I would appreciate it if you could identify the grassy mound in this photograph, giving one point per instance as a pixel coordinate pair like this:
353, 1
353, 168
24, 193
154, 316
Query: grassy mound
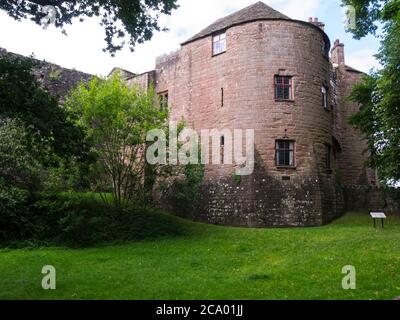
81, 220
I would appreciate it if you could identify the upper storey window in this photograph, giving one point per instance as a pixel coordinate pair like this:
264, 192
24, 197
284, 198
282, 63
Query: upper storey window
283, 88
219, 43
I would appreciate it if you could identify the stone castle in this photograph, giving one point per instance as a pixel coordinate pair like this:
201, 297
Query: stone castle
258, 69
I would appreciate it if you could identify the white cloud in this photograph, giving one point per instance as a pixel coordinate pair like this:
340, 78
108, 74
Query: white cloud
363, 60
82, 49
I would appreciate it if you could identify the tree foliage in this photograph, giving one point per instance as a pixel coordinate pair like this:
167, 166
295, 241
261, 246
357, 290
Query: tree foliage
134, 19
19, 166
379, 94
23, 98
184, 193
19, 177
368, 15
117, 119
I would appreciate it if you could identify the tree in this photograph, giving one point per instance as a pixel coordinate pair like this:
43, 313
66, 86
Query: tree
117, 119
19, 166
22, 98
135, 18
379, 94
19, 177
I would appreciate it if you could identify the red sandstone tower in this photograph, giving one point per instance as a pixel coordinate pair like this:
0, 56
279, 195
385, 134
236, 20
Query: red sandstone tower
258, 69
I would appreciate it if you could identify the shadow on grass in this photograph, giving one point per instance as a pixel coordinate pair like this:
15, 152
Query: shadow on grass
84, 221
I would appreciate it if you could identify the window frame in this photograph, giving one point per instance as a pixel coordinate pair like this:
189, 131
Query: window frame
213, 42
283, 86
222, 149
325, 97
291, 149
163, 99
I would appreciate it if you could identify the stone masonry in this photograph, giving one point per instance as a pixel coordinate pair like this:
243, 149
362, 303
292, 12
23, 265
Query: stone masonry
260, 44
235, 89
55, 79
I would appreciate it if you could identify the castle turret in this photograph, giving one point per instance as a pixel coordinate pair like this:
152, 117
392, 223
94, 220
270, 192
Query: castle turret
261, 70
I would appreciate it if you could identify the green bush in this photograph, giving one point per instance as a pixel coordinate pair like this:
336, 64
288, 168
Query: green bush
19, 166
80, 220
14, 213
70, 176
184, 195
77, 220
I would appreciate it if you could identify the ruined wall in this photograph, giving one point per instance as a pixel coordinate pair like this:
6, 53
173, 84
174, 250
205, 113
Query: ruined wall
144, 81
360, 183
57, 80
256, 51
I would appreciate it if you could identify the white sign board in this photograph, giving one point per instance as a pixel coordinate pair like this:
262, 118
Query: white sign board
378, 215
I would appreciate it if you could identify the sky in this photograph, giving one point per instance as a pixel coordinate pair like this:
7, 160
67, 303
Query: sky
82, 48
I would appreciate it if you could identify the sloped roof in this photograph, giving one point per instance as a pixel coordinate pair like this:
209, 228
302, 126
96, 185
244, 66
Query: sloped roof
351, 69
257, 11
125, 73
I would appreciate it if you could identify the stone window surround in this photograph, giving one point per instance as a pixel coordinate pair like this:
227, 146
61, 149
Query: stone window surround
283, 73
325, 97
294, 166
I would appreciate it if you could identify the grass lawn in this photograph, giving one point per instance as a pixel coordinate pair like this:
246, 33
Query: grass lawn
219, 263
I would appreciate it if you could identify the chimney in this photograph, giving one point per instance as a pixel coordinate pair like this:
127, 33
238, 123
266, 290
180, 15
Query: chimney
337, 53
316, 22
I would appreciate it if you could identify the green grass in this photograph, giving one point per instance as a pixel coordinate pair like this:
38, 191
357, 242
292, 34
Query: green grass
212, 262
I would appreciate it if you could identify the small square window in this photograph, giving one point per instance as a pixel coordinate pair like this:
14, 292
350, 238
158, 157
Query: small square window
283, 88
284, 153
219, 43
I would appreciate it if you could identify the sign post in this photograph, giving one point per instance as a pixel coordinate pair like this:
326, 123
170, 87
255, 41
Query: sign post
378, 216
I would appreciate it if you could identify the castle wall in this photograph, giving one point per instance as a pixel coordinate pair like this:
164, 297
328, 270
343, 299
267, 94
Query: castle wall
144, 81
57, 80
352, 159
304, 195
360, 183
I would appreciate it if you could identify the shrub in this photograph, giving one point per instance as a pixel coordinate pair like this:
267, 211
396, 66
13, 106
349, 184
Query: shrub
14, 213
80, 220
117, 119
18, 156
19, 176
184, 195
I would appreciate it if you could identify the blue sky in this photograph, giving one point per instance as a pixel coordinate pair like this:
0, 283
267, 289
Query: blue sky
82, 48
